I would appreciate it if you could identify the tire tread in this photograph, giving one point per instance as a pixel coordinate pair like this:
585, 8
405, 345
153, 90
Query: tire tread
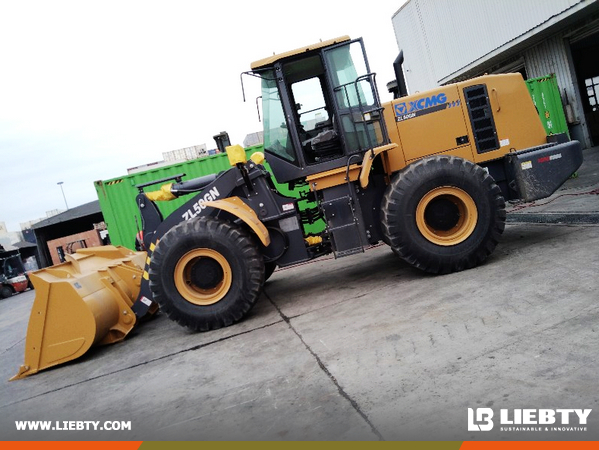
404, 185
203, 318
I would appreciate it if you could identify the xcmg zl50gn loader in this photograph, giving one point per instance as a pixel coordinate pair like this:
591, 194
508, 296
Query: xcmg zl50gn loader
428, 174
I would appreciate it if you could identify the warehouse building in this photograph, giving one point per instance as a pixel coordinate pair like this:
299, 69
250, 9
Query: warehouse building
444, 42
64, 233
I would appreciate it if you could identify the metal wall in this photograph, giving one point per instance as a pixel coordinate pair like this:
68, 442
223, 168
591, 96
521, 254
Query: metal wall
441, 40
552, 56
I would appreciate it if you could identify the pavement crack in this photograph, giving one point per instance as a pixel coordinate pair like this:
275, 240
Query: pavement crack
150, 361
12, 346
327, 372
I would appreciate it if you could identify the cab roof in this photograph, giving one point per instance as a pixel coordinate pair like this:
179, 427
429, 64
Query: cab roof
274, 58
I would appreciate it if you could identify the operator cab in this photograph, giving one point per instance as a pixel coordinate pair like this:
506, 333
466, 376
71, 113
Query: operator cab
320, 107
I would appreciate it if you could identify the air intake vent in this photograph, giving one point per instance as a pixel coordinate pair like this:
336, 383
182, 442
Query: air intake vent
481, 117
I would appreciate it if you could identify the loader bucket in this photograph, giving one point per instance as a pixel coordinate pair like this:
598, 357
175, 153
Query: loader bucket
83, 302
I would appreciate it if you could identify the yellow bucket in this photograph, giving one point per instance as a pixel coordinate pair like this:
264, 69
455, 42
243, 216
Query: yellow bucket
83, 302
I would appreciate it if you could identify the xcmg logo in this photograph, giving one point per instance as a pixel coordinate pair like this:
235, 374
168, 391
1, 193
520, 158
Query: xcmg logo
423, 103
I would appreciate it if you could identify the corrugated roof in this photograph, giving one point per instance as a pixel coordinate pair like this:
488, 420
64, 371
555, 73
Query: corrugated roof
84, 210
24, 244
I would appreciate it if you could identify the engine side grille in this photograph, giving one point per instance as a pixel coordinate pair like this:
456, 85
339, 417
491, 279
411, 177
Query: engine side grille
481, 118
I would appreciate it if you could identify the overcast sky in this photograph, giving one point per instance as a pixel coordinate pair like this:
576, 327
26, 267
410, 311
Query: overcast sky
89, 89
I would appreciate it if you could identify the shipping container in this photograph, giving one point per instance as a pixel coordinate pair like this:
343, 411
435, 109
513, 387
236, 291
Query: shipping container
546, 96
117, 195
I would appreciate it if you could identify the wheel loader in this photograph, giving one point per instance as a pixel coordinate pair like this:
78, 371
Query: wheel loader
428, 174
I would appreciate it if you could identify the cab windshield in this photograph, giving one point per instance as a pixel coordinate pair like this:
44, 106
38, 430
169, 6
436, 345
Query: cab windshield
276, 133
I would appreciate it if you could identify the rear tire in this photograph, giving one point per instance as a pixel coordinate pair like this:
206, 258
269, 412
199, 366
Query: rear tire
5, 292
443, 214
206, 273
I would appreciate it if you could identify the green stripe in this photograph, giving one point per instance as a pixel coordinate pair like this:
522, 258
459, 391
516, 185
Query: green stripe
295, 445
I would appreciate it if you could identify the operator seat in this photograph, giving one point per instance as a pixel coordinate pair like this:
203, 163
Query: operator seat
326, 143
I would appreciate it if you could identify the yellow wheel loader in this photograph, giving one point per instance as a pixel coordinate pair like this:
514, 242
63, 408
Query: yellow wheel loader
428, 174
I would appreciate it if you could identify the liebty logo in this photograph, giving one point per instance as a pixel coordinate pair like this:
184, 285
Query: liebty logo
481, 419
484, 415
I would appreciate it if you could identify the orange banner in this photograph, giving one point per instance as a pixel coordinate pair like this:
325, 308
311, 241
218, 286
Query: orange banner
530, 445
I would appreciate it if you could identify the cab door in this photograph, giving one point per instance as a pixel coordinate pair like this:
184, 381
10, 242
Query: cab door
357, 103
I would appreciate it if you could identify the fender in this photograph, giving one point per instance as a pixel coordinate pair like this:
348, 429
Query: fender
235, 206
367, 162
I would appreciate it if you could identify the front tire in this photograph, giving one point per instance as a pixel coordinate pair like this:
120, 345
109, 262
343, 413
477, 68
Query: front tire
206, 273
443, 214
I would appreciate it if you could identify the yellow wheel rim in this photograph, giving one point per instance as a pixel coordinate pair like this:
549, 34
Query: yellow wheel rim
446, 215
203, 276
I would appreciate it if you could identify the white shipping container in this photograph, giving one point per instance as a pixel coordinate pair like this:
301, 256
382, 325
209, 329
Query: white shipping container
185, 154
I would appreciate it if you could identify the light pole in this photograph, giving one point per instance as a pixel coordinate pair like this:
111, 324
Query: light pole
60, 183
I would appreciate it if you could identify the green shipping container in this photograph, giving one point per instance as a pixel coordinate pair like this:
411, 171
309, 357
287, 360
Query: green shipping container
117, 195
546, 97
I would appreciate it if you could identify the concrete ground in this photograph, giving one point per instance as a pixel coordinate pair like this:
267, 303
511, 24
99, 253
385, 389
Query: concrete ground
360, 348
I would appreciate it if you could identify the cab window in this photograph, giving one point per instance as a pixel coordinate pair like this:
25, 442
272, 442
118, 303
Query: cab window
276, 132
310, 103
